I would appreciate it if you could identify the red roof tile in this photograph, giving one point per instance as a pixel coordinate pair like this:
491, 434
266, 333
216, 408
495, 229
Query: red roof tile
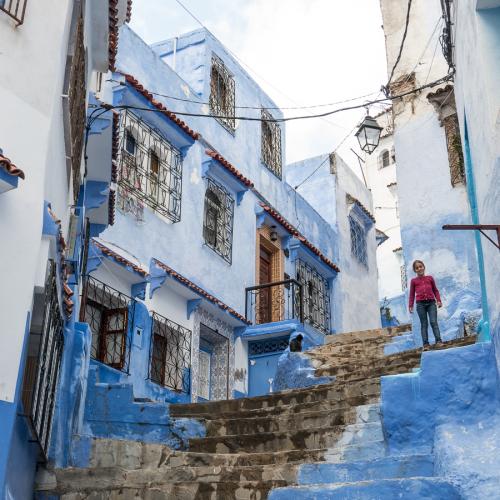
158, 105
438, 92
113, 33
200, 291
291, 229
10, 167
129, 11
229, 167
351, 199
118, 258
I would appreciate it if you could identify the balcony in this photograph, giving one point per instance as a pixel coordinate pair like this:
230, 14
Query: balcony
14, 9
273, 302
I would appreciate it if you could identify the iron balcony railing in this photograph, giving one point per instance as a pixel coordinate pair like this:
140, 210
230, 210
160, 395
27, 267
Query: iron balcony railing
15, 9
277, 301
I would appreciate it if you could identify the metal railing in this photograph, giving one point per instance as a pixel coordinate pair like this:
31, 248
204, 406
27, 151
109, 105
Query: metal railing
170, 354
42, 369
278, 301
15, 9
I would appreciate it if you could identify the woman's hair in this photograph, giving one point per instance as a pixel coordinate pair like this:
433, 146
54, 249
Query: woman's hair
415, 262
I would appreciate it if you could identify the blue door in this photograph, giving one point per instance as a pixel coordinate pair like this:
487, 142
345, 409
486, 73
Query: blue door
263, 356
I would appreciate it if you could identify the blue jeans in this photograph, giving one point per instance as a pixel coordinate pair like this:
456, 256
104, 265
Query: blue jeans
424, 308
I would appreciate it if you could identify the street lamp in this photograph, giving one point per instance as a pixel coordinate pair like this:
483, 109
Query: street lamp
368, 134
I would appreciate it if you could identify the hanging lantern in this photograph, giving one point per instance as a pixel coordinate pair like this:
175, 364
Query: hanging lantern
368, 134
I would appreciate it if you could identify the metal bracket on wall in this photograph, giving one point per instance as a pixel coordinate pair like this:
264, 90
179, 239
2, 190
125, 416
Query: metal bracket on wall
478, 227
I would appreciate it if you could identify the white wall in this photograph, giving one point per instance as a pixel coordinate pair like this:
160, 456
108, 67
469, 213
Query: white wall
32, 63
385, 209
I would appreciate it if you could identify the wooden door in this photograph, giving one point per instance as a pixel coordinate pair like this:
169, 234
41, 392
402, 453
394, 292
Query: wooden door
265, 294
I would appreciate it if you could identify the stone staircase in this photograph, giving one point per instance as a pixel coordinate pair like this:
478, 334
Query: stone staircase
319, 442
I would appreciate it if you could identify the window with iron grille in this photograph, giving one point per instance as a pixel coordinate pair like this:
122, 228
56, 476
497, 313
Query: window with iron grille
108, 313
77, 110
218, 220
271, 144
170, 356
358, 241
385, 158
150, 169
316, 296
222, 94
41, 372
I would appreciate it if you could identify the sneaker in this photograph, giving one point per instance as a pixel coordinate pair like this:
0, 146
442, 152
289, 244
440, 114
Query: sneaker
425, 346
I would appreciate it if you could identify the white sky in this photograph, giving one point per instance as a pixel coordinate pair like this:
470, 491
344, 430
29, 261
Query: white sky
301, 52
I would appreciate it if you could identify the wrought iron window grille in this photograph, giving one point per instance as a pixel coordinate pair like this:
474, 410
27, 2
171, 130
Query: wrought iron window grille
218, 220
150, 169
271, 144
170, 354
277, 301
267, 346
358, 241
14, 9
316, 296
385, 158
222, 90
108, 313
42, 370
77, 110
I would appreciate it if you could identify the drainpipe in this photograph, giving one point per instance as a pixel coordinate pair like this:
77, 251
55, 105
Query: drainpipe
484, 324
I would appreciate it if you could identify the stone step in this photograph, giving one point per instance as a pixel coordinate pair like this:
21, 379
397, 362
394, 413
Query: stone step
343, 415
391, 331
366, 450
281, 422
243, 490
238, 407
352, 396
361, 372
381, 468
269, 441
392, 360
405, 488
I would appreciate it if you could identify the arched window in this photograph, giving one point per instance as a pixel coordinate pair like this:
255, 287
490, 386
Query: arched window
384, 158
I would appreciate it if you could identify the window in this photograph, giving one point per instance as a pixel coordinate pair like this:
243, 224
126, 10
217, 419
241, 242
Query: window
218, 220
170, 353
384, 158
15, 9
315, 296
222, 94
150, 169
358, 241
271, 144
107, 311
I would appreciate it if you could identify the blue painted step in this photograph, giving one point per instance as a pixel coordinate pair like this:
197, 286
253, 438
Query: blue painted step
382, 489
382, 468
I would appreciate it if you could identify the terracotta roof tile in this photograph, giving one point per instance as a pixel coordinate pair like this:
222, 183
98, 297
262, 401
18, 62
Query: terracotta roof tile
398, 249
113, 33
200, 291
129, 11
158, 105
438, 92
231, 168
9, 167
118, 258
111, 207
293, 231
351, 199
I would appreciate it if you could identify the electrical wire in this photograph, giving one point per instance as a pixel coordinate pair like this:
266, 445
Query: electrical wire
398, 58
291, 118
324, 105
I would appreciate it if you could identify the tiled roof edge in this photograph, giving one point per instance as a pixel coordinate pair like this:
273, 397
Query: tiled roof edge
121, 260
230, 167
10, 167
293, 231
361, 206
200, 291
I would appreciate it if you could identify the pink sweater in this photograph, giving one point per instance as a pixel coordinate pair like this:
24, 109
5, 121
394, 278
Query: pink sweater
424, 288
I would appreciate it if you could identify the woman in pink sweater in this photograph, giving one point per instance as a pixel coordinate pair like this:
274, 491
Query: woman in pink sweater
426, 292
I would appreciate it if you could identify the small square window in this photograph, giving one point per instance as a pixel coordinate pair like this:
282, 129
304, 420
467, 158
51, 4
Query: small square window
130, 143
154, 163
